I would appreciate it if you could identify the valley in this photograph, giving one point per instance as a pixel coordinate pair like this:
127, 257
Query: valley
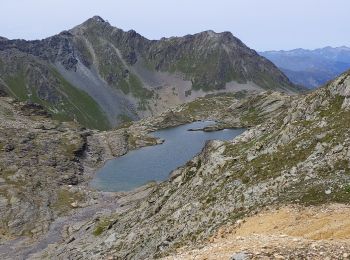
226, 182
115, 146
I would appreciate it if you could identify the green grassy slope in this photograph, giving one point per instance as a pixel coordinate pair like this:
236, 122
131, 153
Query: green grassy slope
71, 103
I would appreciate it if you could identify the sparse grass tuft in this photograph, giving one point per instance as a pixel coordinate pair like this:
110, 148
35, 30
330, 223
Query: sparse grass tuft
64, 200
102, 225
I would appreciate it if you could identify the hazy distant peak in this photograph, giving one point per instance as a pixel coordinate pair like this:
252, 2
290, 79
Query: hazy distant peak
302, 50
346, 48
311, 68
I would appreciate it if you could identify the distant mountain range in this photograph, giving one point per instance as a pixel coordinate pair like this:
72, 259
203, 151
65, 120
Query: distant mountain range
311, 68
101, 76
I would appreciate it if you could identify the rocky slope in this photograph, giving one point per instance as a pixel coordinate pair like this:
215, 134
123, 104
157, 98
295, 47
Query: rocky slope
37, 156
299, 155
311, 68
295, 152
291, 232
102, 76
46, 164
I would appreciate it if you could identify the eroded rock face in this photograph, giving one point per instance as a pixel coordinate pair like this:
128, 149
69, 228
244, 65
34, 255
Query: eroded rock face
298, 156
37, 158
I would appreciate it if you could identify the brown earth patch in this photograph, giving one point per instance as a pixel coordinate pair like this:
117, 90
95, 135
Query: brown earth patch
291, 232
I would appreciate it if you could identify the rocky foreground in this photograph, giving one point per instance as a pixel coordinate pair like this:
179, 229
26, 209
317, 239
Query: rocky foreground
45, 166
290, 232
294, 157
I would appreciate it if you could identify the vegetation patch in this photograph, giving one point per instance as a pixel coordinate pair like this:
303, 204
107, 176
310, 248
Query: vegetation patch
71, 103
103, 225
17, 84
124, 119
80, 106
65, 201
317, 194
251, 117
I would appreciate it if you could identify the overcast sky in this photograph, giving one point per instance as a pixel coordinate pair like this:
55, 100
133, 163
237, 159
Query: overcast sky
261, 24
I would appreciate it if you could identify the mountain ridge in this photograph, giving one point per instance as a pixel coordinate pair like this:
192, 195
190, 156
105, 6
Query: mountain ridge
311, 68
125, 76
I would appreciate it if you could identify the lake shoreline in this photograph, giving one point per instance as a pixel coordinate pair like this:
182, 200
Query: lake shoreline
155, 163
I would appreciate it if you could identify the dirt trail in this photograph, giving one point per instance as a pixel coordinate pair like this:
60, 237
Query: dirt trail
288, 233
23, 248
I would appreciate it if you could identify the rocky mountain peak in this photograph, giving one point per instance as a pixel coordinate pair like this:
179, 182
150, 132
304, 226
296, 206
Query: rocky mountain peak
226, 38
98, 19
224, 34
95, 21
210, 33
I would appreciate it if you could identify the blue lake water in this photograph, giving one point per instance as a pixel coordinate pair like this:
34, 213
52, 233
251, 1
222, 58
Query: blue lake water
155, 163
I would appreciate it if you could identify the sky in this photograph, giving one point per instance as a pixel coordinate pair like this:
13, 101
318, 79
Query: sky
260, 24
